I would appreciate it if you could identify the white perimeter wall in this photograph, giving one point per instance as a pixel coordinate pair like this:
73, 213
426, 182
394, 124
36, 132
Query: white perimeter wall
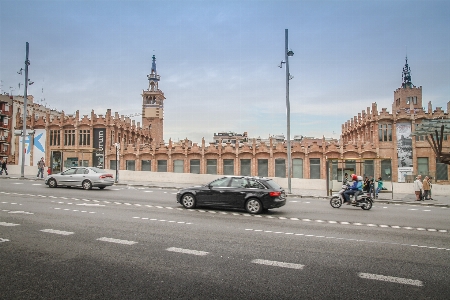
183, 179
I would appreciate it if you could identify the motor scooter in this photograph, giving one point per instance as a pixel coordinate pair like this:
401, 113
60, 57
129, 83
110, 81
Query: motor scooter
363, 200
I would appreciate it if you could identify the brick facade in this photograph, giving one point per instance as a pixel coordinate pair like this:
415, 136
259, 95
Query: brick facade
370, 135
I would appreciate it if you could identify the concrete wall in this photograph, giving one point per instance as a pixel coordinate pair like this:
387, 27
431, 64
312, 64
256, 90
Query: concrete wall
184, 179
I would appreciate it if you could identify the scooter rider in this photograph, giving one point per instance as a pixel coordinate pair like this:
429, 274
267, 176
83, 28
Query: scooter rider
357, 186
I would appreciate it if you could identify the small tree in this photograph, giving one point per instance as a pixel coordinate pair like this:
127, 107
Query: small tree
434, 132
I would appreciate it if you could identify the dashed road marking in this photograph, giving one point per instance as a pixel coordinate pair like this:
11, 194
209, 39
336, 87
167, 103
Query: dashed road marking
117, 241
8, 224
57, 231
390, 279
2, 240
324, 221
278, 264
74, 210
160, 220
20, 212
187, 251
339, 238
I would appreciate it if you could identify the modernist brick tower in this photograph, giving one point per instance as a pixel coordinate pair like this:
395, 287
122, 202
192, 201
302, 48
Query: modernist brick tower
408, 97
153, 106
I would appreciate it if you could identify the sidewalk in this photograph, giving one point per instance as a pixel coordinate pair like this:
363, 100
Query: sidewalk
388, 198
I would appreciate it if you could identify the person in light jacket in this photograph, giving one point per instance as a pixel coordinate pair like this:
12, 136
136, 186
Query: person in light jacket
426, 188
418, 187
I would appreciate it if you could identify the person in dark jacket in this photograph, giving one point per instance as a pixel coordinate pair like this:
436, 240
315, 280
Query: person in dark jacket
3, 166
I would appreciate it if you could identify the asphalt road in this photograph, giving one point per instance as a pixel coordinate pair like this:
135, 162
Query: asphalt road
138, 243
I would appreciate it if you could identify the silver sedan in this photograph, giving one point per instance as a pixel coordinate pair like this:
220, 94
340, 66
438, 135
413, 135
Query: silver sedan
86, 177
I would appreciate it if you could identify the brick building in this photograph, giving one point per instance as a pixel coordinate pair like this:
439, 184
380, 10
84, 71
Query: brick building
384, 134
5, 126
366, 139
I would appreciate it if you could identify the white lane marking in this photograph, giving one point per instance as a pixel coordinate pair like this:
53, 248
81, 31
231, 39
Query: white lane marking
169, 221
2, 240
8, 224
278, 264
57, 231
391, 279
88, 204
20, 212
345, 239
37, 184
17, 183
148, 191
187, 251
117, 241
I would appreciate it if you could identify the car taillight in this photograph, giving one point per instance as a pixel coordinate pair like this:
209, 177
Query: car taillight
106, 176
274, 194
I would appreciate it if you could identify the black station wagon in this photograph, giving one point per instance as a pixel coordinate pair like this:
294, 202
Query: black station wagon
254, 194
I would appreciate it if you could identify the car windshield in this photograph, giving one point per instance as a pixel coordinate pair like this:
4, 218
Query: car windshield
273, 185
97, 170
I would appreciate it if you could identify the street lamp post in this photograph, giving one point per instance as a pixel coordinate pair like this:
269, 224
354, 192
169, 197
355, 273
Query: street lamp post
288, 53
117, 161
24, 128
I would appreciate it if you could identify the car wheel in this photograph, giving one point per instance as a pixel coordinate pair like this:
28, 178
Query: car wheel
101, 187
253, 206
188, 201
52, 183
87, 185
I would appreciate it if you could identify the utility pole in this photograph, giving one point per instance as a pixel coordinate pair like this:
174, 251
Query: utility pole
24, 128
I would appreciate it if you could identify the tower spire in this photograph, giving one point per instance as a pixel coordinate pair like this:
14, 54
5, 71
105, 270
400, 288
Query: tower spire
153, 77
406, 75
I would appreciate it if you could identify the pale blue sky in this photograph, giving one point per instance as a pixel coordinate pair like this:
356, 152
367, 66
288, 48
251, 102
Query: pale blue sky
218, 59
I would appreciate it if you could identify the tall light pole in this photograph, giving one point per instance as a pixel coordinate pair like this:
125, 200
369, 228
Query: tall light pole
117, 161
25, 96
288, 53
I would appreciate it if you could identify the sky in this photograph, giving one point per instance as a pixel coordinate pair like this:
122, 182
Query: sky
218, 59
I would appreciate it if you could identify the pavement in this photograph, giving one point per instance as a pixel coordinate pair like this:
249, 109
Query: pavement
388, 198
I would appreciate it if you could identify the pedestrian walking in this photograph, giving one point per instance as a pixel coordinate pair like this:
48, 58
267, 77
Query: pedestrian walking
41, 166
429, 181
426, 188
418, 187
3, 166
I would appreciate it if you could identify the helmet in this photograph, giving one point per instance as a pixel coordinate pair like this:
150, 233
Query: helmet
354, 177
360, 178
